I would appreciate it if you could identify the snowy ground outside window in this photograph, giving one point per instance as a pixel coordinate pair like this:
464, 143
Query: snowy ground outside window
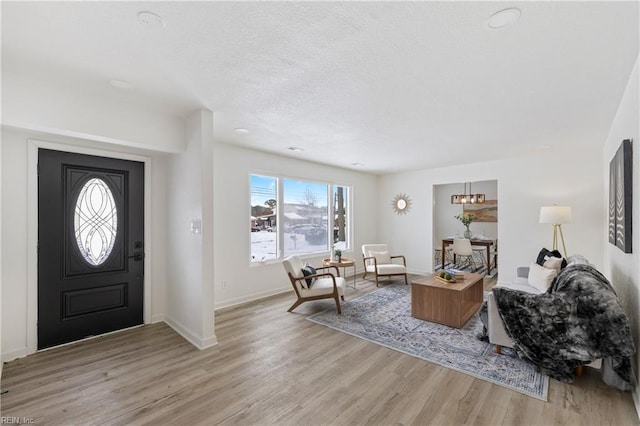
264, 245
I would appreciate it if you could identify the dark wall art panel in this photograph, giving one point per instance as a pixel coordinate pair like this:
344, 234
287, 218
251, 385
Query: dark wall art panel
620, 196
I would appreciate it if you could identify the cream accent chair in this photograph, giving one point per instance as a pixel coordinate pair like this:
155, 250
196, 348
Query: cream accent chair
377, 261
326, 285
462, 249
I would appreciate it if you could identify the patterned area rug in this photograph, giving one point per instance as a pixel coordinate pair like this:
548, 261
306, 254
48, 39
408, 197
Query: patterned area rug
384, 317
478, 269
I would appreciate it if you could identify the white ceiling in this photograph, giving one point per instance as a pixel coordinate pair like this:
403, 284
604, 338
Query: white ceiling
393, 85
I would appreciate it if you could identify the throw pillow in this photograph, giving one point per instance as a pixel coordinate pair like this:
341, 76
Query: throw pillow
306, 271
553, 263
546, 254
541, 277
382, 257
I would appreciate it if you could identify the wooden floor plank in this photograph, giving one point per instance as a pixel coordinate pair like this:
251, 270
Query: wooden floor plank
274, 367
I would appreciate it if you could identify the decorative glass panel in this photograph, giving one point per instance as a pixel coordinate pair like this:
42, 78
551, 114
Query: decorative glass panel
95, 221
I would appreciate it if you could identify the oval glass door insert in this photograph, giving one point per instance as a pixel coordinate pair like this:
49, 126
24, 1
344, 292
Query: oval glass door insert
95, 221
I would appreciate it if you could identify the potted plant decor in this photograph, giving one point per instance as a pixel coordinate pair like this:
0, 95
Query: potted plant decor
466, 219
338, 253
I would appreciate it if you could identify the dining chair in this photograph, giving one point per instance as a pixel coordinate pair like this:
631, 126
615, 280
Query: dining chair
494, 254
437, 256
462, 249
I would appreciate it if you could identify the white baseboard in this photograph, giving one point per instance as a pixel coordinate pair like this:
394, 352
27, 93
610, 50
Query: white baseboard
417, 272
15, 354
189, 336
503, 282
209, 342
252, 297
636, 401
157, 318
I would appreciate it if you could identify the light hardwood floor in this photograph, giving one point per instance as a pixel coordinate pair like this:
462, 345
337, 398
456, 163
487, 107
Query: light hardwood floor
274, 367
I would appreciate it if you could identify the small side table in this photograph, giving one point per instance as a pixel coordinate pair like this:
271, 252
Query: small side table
344, 264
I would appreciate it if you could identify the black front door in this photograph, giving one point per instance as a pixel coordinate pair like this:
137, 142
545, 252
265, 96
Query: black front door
90, 246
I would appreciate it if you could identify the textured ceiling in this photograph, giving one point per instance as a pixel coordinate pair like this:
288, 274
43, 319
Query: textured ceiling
392, 85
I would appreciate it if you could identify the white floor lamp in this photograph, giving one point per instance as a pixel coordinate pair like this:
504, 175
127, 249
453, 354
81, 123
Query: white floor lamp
556, 215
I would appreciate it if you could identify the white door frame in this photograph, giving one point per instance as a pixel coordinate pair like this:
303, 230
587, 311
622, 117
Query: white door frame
32, 228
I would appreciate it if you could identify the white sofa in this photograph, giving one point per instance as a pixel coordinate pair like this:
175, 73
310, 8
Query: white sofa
495, 328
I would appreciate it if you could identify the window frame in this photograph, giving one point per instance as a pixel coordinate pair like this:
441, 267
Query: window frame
280, 250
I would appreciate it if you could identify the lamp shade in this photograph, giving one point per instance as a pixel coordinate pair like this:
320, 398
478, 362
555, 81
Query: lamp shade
555, 214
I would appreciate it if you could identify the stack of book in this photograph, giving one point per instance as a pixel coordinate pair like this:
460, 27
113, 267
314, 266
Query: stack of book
455, 273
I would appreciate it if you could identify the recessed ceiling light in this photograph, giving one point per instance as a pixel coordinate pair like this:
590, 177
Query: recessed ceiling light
122, 84
295, 149
357, 164
503, 18
241, 130
151, 20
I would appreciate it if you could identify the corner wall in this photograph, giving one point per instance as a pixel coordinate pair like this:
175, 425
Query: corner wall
232, 209
39, 106
554, 176
624, 269
190, 296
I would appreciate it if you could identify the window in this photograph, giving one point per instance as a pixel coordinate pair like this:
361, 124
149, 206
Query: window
264, 235
290, 216
305, 217
341, 223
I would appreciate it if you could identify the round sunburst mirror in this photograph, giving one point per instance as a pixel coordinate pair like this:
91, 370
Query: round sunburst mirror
401, 203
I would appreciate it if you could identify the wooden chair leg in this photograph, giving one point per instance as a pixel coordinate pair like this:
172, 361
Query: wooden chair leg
338, 305
405, 280
376, 280
498, 349
295, 305
579, 371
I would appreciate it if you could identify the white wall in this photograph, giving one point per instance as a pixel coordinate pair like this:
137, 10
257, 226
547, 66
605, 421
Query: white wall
444, 222
14, 225
190, 255
14, 242
555, 176
232, 167
624, 269
1, 239
39, 106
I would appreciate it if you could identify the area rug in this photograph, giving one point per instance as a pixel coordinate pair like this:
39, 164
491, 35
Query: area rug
384, 317
478, 269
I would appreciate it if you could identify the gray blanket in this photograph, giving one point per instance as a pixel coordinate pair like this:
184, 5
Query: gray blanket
578, 320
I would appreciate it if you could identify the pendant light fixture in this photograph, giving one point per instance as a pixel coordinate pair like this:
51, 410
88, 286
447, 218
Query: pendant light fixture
467, 198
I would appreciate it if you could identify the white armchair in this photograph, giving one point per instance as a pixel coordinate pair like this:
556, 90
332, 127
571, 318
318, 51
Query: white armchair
326, 285
379, 262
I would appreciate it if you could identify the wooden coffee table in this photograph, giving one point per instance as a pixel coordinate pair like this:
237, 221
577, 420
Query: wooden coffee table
450, 304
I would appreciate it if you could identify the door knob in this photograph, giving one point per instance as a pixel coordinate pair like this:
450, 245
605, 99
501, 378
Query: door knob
137, 256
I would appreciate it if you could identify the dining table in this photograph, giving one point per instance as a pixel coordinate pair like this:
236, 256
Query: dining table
474, 242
